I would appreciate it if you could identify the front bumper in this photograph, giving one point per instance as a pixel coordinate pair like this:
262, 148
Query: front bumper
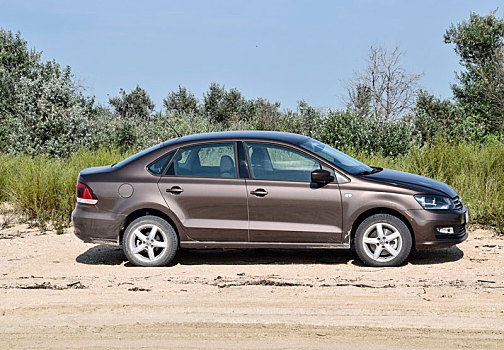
425, 224
96, 226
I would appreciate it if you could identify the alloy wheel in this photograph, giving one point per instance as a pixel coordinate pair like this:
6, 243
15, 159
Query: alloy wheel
148, 243
382, 242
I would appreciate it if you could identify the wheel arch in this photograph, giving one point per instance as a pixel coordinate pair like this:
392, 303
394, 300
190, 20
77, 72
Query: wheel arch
380, 210
144, 212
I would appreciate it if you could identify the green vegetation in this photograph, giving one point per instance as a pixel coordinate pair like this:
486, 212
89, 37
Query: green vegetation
474, 171
50, 130
43, 188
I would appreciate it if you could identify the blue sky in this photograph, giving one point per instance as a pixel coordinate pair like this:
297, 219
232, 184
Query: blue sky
280, 50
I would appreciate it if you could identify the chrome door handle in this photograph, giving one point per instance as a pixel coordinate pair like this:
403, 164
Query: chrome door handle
260, 192
175, 190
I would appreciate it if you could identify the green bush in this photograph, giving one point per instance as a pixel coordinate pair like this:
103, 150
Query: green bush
374, 135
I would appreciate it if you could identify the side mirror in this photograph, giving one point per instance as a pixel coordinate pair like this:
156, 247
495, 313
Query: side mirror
321, 176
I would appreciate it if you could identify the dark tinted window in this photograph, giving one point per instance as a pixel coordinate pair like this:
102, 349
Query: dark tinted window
157, 167
207, 160
272, 162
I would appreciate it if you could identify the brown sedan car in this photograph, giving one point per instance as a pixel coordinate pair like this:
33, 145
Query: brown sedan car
262, 189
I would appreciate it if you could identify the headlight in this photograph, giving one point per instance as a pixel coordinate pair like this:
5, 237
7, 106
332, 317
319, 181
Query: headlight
429, 201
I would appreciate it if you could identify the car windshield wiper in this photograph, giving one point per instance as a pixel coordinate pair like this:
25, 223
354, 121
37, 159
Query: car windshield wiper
368, 172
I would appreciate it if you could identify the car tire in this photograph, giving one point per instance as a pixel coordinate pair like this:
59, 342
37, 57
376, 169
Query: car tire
150, 241
383, 240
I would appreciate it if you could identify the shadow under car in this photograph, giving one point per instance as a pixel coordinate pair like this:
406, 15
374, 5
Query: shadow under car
114, 255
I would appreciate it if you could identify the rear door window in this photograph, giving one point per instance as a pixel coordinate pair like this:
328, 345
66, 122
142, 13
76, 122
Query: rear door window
206, 160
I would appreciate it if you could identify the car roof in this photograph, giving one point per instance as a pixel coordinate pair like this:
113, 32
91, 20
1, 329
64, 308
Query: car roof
241, 135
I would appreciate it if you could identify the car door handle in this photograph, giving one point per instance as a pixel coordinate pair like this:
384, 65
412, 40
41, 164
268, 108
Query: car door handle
175, 190
260, 192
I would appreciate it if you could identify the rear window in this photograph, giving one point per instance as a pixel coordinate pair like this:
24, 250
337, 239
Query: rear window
158, 166
137, 155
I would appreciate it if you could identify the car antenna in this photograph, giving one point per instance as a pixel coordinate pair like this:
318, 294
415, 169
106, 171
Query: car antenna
173, 128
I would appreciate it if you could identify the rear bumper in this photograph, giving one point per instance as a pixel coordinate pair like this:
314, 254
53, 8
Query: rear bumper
426, 222
95, 226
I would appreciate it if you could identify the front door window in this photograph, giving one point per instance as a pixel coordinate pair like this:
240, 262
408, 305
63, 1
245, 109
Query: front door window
274, 162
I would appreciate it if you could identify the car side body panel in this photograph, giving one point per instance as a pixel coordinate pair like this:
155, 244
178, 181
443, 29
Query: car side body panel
294, 212
209, 209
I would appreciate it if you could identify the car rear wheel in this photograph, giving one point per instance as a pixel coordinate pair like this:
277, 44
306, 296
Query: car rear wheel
150, 241
383, 240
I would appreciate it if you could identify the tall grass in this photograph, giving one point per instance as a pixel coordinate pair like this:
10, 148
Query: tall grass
476, 172
43, 189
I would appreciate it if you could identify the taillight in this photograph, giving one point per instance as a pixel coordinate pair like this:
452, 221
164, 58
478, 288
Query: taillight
85, 195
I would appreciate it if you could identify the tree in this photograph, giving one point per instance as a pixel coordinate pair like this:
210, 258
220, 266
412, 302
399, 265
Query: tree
42, 110
384, 88
432, 116
360, 99
135, 105
479, 42
234, 106
222, 106
52, 113
266, 115
181, 102
16, 61
212, 100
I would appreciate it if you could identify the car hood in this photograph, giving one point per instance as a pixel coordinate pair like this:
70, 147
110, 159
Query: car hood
413, 181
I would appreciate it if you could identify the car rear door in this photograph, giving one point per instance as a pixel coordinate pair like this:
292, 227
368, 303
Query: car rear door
284, 206
203, 189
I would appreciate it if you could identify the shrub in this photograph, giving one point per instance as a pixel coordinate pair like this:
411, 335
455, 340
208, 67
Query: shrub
373, 135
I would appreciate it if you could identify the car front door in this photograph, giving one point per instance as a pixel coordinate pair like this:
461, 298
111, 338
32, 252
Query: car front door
203, 189
284, 205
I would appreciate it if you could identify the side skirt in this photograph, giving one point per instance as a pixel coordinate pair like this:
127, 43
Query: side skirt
199, 244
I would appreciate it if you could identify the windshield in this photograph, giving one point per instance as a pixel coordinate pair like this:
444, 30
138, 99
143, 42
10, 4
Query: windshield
338, 158
136, 156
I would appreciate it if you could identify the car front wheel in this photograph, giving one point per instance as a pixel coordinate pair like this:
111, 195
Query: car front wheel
383, 240
150, 241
